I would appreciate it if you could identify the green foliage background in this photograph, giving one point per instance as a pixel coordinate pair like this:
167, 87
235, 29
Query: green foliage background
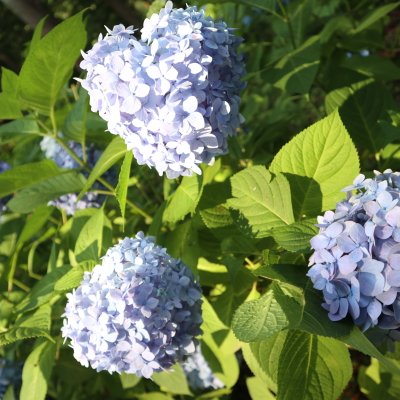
321, 104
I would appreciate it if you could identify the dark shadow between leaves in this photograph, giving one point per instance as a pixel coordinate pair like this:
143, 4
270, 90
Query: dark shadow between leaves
306, 196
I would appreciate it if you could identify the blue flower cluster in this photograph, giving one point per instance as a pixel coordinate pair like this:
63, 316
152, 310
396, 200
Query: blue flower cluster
10, 374
3, 167
198, 372
356, 262
173, 95
138, 312
69, 202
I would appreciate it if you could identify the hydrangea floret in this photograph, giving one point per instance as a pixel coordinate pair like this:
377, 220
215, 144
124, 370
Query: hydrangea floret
356, 262
173, 95
199, 373
54, 151
138, 312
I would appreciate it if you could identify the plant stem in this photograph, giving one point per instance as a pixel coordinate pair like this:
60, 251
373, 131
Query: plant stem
136, 209
21, 285
289, 23
53, 122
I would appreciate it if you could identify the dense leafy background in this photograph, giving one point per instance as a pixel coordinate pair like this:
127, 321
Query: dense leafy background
321, 104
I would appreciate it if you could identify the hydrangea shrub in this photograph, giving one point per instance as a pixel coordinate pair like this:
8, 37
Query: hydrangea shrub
254, 274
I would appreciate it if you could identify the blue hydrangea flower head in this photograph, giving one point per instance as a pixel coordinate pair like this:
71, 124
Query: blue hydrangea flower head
198, 372
173, 95
54, 151
138, 312
356, 259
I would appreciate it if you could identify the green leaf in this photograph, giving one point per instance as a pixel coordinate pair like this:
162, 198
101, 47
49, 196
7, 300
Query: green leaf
258, 389
263, 200
263, 358
9, 81
49, 65
37, 371
209, 172
9, 394
121, 191
20, 126
33, 224
375, 16
341, 24
128, 381
362, 111
172, 381
216, 217
295, 72
25, 175
34, 325
41, 193
284, 273
254, 365
154, 396
74, 126
267, 5
259, 319
374, 66
312, 367
9, 107
378, 383
314, 318
37, 35
360, 342
73, 277
238, 286
219, 352
113, 152
318, 162
182, 243
9, 104
337, 97
184, 200
315, 321
90, 240
295, 237
211, 321
43, 291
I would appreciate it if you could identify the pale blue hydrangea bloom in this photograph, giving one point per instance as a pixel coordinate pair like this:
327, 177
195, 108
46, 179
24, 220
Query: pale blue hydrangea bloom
356, 262
173, 95
199, 373
138, 312
54, 151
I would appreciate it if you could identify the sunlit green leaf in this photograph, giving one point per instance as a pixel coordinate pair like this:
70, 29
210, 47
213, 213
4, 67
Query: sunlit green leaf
318, 163
263, 199
49, 65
